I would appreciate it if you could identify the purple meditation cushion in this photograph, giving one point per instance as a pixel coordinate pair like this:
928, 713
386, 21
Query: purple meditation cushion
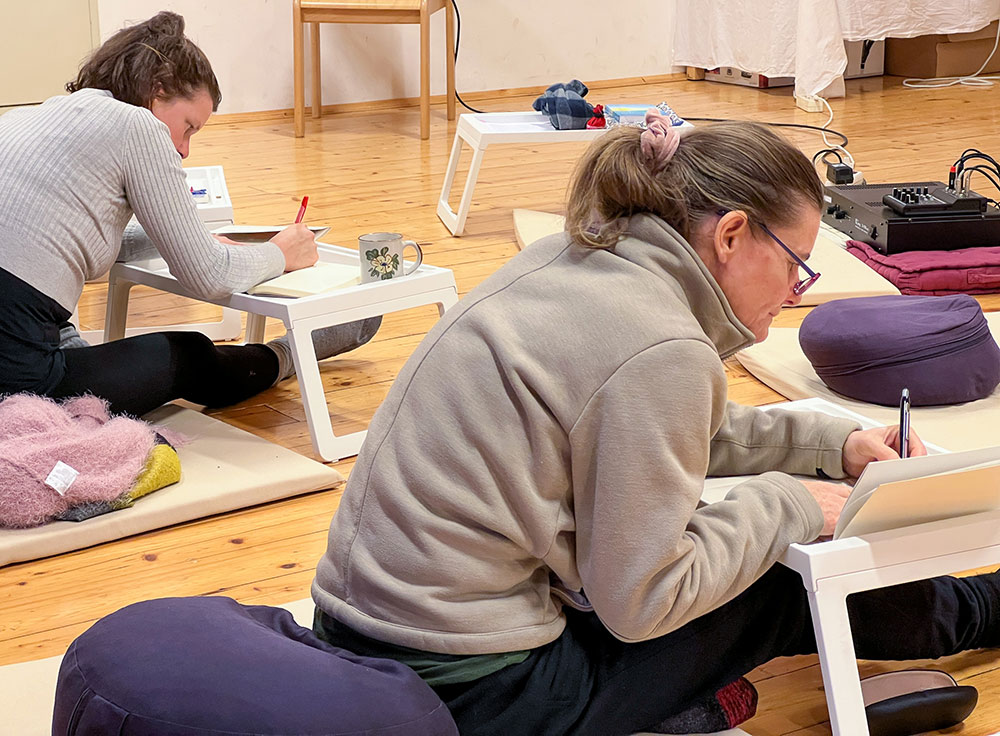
870, 348
212, 667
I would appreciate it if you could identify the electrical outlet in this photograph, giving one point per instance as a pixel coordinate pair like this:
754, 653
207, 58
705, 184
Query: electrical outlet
809, 103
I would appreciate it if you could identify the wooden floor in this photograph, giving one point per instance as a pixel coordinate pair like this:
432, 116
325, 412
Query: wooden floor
370, 171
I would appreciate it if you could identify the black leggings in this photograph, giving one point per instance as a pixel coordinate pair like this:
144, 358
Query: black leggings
587, 683
138, 374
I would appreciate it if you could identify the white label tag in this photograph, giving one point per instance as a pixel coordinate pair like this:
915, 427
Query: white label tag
61, 478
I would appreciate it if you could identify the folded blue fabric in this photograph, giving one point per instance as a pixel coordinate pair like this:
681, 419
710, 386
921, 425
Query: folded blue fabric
565, 106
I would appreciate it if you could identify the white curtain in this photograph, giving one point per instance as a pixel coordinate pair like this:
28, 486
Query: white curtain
805, 38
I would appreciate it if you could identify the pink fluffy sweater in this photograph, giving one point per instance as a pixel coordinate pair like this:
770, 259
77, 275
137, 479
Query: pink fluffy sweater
36, 433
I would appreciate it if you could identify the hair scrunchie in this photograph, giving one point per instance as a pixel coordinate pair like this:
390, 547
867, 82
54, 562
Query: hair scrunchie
659, 140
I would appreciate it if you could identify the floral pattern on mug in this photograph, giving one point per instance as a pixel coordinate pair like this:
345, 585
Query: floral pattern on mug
383, 265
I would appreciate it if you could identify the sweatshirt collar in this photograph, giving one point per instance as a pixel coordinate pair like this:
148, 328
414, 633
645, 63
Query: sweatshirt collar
655, 246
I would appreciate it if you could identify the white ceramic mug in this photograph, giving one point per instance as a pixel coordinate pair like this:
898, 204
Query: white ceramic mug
382, 256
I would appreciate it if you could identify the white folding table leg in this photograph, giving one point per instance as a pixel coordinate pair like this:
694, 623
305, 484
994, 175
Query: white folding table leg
328, 446
449, 299
837, 659
455, 222
116, 311
444, 210
116, 315
255, 327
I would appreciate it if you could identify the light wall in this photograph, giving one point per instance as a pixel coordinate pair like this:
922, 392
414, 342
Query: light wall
505, 44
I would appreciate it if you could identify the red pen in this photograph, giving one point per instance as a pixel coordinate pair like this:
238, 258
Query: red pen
302, 210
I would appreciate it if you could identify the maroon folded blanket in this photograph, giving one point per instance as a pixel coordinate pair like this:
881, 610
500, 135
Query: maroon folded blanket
935, 272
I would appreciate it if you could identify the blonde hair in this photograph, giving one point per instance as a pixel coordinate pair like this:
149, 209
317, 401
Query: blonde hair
721, 167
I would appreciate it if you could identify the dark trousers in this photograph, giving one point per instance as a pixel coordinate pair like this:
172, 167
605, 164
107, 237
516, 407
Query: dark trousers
138, 374
588, 683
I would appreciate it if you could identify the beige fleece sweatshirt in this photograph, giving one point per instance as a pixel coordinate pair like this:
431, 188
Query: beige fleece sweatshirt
556, 426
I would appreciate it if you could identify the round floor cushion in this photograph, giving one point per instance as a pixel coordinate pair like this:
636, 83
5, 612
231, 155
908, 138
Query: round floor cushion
186, 666
870, 348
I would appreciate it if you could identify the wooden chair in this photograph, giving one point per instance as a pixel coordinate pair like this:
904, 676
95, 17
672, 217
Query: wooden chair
315, 12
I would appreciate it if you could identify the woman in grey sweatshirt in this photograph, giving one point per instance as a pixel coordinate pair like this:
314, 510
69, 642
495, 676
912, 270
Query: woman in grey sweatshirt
522, 526
73, 171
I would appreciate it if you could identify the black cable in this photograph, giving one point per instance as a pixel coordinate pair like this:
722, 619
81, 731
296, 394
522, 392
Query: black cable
458, 40
826, 151
866, 48
960, 164
988, 173
837, 133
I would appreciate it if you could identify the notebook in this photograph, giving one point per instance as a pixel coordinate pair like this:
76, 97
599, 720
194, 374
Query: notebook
897, 493
255, 234
318, 279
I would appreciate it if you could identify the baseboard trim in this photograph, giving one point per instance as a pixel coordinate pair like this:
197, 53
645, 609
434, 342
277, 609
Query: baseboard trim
375, 105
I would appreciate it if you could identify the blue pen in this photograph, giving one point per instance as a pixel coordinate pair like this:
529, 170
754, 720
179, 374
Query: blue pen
904, 423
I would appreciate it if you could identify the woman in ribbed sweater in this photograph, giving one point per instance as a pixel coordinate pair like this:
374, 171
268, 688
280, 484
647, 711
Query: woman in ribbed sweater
73, 172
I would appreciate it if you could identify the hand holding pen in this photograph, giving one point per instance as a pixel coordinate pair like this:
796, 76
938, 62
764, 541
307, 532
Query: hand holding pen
297, 242
879, 443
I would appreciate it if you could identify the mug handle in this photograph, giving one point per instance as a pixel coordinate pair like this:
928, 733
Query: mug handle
420, 256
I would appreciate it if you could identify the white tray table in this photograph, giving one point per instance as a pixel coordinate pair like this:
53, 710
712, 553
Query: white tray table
479, 130
428, 285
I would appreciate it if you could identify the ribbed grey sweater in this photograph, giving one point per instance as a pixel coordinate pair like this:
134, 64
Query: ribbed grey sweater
73, 171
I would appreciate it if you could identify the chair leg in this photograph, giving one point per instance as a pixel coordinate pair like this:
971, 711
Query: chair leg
317, 75
299, 71
449, 50
425, 73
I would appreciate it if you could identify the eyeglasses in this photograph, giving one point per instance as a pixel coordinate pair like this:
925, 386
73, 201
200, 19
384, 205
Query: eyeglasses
800, 286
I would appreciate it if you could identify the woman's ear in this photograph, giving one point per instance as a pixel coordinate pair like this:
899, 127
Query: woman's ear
728, 236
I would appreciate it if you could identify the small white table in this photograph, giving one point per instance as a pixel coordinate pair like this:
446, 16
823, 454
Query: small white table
831, 571
301, 316
479, 130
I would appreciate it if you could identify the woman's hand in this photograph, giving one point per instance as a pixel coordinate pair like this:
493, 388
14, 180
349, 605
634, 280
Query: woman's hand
831, 498
880, 443
298, 244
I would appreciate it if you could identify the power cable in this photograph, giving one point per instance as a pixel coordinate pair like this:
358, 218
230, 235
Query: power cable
972, 80
458, 41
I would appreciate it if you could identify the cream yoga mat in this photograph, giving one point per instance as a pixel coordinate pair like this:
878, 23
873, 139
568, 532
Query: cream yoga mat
843, 275
222, 468
780, 363
531, 225
28, 689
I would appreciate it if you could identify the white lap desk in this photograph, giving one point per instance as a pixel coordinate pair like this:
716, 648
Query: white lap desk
833, 570
428, 285
479, 130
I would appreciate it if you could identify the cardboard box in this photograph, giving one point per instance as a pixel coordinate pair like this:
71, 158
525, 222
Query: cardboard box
873, 68
732, 75
942, 54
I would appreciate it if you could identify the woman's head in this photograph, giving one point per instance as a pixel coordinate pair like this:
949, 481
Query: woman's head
720, 188
153, 65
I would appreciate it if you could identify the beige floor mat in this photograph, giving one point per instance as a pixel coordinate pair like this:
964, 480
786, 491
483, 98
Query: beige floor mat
780, 363
222, 468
